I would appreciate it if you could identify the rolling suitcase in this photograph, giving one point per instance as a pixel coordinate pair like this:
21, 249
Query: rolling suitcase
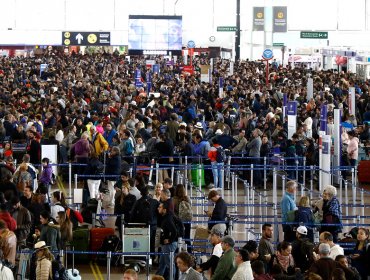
364, 171
197, 174
97, 236
81, 242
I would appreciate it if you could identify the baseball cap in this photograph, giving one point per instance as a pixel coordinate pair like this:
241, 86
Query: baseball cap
324, 248
302, 230
229, 240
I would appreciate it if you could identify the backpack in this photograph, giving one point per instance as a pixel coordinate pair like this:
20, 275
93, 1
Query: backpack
78, 148
99, 169
221, 155
74, 216
129, 148
185, 211
180, 229
58, 271
142, 211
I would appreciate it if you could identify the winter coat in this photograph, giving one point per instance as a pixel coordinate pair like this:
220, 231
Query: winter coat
43, 269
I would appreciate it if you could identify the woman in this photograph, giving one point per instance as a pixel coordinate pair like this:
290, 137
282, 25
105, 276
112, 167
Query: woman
304, 215
332, 213
185, 263
44, 259
8, 150
80, 150
360, 257
182, 205
140, 146
94, 172
123, 205
157, 191
58, 204
113, 170
65, 229
50, 232
352, 148
284, 258
47, 173
22, 177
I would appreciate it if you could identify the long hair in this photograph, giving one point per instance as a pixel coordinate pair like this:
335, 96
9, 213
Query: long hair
180, 192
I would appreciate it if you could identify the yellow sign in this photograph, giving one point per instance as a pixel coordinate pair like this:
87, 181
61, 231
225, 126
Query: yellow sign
259, 15
92, 38
280, 15
67, 42
67, 34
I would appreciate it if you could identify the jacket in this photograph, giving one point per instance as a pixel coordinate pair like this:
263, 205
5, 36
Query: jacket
287, 204
113, 167
192, 274
352, 148
324, 267
46, 175
24, 223
43, 269
212, 153
99, 143
168, 228
219, 212
244, 272
50, 233
8, 245
108, 136
225, 268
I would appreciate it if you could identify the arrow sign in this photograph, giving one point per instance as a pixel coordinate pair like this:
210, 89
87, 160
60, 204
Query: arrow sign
79, 38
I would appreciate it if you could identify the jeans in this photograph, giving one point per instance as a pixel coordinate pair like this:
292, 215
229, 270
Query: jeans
217, 168
164, 260
93, 187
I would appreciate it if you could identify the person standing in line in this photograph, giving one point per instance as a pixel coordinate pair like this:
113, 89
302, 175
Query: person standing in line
244, 270
226, 268
265, 248
185, 263
217, 163
219, 211
287, 205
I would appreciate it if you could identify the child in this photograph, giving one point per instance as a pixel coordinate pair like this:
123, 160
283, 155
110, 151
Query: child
47, 173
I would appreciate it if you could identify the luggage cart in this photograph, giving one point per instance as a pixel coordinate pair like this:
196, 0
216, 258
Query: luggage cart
136, 239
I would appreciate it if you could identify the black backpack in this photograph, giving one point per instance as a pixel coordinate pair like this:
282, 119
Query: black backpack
221, 155
58, 271
180, 229
142, 212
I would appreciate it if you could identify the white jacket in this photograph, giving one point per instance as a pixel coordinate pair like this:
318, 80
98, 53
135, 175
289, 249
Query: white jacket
5, 273
244, 272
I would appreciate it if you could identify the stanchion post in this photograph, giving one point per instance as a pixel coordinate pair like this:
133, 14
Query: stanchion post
264, 174
346, 195
232, 188
304, 171
341, 189
70, 179
276, 226
274, 187
362, 206
61, 257
228, 172
173, 173
283, 183
123, 232
93, 220
76, 183
186, 169
353, 176
296, 169
221, 184
199, 173
171, 265
156, 173
109, 256
252, 166
311, 181
354, 209
236, 192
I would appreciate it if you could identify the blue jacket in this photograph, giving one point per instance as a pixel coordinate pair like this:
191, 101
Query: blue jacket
287, 204
109, 136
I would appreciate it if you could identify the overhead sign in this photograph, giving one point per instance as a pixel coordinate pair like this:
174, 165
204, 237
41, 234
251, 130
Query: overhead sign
280, 19
258, 18
292, 108
191, 44
314, 35
86, 38
267, 54
226, 28
278, 44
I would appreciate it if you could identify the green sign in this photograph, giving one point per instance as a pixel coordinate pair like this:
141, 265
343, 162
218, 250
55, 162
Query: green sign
226, 28
278, 44
314, 35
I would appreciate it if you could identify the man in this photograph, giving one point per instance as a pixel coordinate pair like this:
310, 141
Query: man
172, 127
219, 211
242, 142
8, 243
244, 271
287, 205
26, 198
30, 169
215, 239
184, 262
302, 250
259, 273
325, 265
168, 185
265, 247
350, 272
130, 274
33, 147
109, 133
23, 218
168, 240
166, 197
226, 268
217, 162
335, 249
254, 147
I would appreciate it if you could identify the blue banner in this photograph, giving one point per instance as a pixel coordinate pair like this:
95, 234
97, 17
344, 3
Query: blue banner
324, 118
285, 99
138, 82
156, 68
148, 82
291, 109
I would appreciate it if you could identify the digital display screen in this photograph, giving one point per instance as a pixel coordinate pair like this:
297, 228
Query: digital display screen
155, 33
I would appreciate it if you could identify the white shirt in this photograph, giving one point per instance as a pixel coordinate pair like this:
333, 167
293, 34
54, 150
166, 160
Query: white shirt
336, 250
135, 192
217, 250
244, 272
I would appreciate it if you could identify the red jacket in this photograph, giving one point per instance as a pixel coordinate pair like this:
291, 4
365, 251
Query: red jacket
212, 153
9, 220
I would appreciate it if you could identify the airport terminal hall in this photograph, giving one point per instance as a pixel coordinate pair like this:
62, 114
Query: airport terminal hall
185, 140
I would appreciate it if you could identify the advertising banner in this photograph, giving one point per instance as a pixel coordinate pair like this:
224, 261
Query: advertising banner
258, 18
279, 19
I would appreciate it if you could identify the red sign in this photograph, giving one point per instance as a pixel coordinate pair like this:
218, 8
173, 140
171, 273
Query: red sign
188, 69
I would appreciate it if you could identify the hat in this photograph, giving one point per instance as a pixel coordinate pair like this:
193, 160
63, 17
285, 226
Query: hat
199, 125
217, 231
324, 248
218, 132
133, 102
302, 230
183, 123
212, 194
229, 240
40, 245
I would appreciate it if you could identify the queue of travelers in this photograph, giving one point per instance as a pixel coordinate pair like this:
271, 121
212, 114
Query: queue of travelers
90, 108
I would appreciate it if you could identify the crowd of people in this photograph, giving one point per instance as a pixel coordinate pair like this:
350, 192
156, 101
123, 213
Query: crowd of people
104, 120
